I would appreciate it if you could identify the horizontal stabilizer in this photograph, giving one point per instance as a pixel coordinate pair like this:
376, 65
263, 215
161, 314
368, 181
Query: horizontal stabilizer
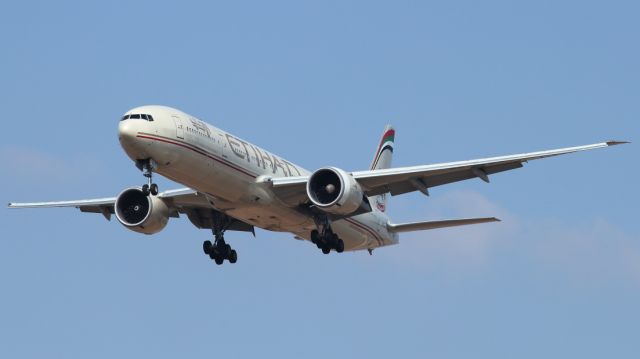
422, 226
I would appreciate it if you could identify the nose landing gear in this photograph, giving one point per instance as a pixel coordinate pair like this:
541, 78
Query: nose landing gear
147, 166
150, 189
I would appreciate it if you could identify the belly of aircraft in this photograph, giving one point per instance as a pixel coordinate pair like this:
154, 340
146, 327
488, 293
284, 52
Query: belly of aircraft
230, 193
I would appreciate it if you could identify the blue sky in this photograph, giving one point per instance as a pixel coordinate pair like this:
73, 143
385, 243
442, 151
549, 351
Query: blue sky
316, 83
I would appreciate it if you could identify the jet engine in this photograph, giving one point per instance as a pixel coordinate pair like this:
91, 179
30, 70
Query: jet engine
141, 213
335, 191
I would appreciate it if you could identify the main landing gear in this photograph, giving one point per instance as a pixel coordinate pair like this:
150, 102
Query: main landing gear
219, 250
325, 238
147, 166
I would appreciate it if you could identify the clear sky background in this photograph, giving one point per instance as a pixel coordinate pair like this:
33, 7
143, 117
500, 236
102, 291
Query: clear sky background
316, 83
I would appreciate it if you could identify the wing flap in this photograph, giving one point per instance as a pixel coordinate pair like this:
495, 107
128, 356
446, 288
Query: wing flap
450, 177
443, 173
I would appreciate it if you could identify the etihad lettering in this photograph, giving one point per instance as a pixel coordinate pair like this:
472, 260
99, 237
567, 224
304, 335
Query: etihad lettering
289, 167
235, 147
240, 148
264, 155
245, 144
276, 164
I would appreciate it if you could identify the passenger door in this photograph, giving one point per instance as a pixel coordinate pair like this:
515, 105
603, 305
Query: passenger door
179, 127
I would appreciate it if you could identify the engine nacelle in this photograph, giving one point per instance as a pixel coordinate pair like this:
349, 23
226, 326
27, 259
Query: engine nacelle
141, 213
335, 191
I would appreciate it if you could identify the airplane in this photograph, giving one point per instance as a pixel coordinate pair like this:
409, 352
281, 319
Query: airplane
234, 185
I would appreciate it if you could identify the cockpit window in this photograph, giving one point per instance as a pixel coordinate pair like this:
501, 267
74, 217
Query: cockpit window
137, 117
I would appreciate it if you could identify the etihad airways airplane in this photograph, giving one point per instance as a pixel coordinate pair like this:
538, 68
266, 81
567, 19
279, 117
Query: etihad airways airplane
233, 185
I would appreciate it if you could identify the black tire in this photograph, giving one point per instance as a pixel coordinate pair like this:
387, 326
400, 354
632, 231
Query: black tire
226, 250
153, 189
340, 246
145, 189
233, 256
326, 250
314, 236
334, 238
206, 247
219, 260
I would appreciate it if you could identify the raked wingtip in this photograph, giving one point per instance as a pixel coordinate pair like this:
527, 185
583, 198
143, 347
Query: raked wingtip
615, 143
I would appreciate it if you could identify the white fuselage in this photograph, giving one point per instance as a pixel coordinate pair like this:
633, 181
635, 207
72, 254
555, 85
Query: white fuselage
231, 173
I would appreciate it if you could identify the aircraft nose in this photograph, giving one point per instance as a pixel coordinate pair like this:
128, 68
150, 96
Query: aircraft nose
127, 131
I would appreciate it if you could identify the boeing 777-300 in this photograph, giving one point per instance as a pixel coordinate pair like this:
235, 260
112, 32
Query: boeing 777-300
233, 185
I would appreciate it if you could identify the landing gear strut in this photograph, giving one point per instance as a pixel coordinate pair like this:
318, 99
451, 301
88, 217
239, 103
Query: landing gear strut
147, 166
324, 237
219, 250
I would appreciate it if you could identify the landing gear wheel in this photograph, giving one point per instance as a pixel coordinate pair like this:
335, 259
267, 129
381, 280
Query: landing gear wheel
207, 246
233, 256
218, 250
324, 237
314, 236
148, 166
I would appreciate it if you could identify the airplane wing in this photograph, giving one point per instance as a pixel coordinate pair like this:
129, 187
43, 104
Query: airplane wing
420, 178
423, 226
185, 200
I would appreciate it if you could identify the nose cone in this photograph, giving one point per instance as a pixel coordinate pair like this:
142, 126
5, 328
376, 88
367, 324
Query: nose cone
127, 134
127, 131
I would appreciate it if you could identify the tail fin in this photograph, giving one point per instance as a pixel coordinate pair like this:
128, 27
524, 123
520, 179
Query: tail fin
382, 160
384, 153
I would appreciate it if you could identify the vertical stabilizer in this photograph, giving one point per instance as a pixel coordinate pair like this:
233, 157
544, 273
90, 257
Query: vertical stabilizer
382, 160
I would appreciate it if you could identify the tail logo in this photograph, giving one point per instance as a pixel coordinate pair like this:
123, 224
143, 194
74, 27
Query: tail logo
385, 144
